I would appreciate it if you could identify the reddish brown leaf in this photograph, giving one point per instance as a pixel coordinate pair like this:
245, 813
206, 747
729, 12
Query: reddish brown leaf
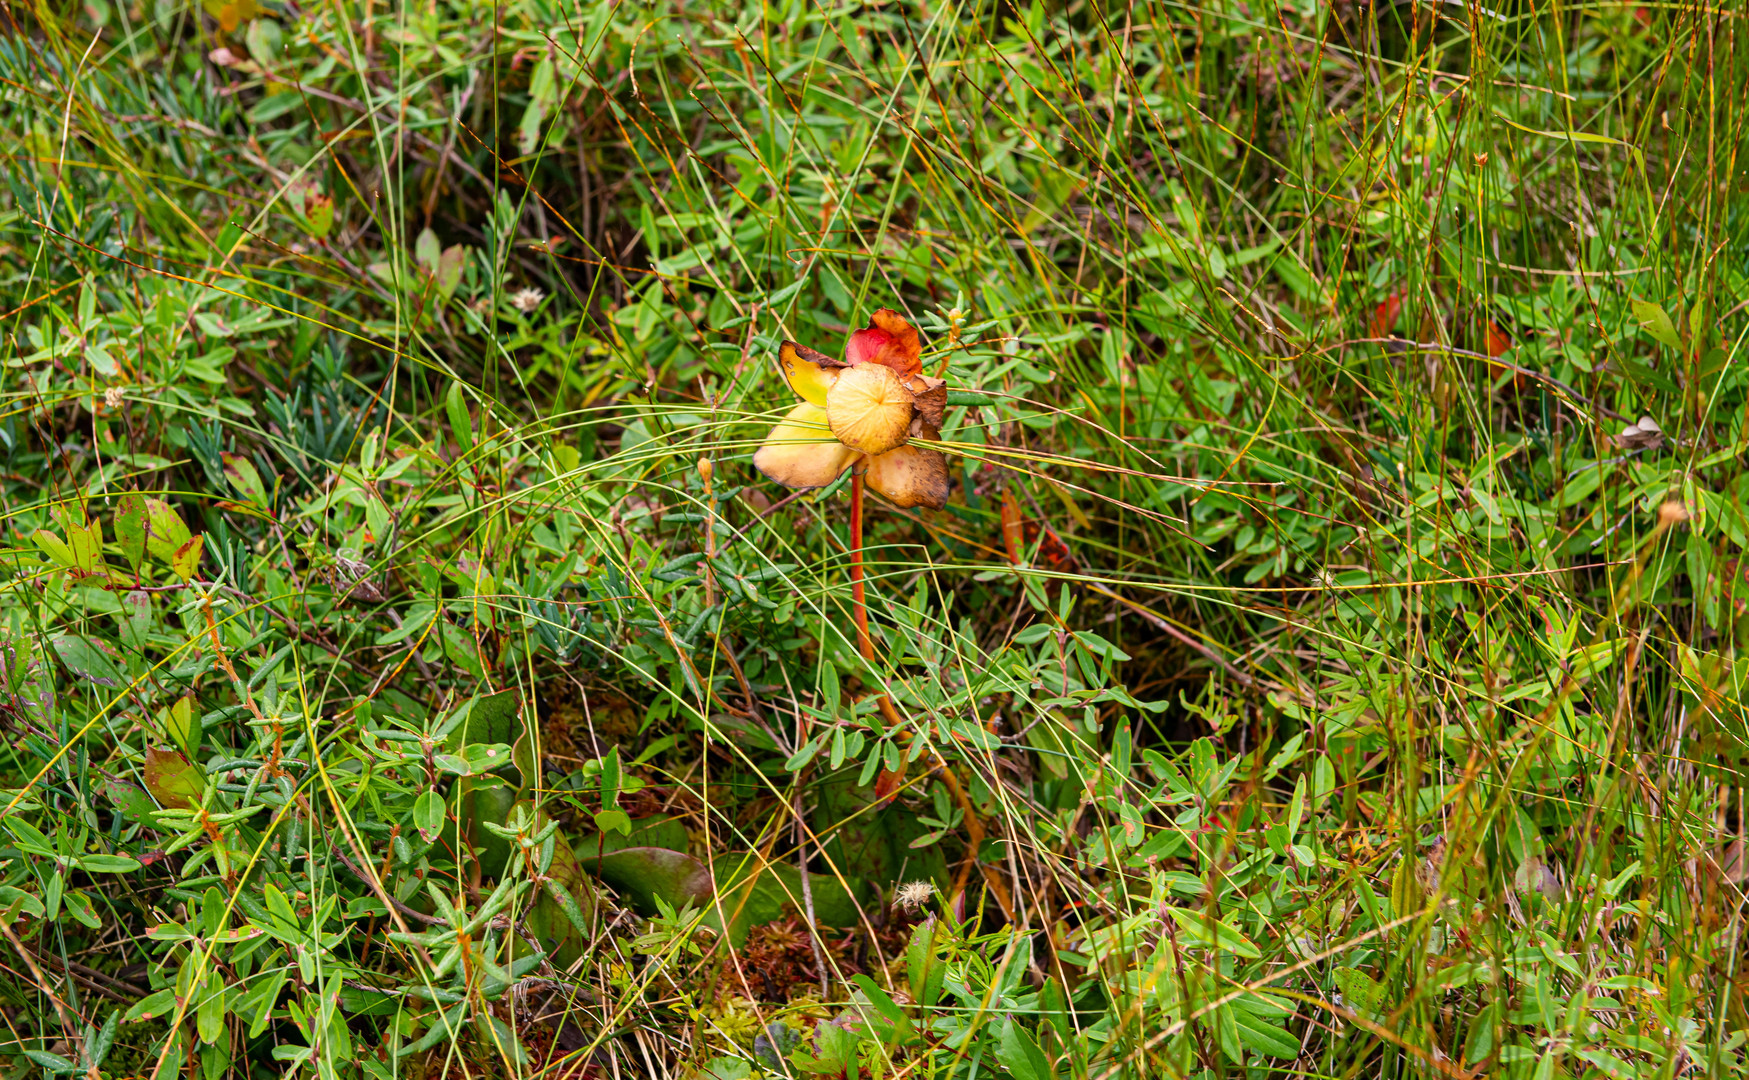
1384, 317
1019, 534
887, 785
1498, 340
1013, 529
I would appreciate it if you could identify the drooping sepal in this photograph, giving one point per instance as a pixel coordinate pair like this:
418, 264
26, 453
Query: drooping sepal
801, 452
910, 476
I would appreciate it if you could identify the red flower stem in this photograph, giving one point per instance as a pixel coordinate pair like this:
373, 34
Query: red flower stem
858, 599
859, 609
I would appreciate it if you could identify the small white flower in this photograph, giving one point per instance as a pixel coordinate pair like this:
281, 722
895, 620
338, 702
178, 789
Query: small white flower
528, 299
112, 397
914, 894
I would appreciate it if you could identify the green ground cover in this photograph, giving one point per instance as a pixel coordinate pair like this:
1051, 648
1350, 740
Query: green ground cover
1301, 628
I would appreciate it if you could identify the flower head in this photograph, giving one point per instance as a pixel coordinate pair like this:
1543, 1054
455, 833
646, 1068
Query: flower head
862, 413
914, 894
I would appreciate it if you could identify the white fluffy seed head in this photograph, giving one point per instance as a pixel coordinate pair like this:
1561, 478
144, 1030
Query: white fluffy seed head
914, 894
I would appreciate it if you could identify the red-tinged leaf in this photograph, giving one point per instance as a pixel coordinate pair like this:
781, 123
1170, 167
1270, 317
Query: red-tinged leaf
1052, 552
134, 804
245, 509
242, 474
643, 874
1384, 317
1020, 534
90, 659
185, 560
448, 272
319, 213
165, 530
174, 780
130, 528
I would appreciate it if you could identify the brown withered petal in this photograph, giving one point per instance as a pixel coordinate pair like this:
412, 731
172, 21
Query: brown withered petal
910, 476
930, 397
801, 452
869, 409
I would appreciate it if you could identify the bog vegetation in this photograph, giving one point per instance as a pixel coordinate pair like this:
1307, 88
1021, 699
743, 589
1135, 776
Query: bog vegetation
1258, 590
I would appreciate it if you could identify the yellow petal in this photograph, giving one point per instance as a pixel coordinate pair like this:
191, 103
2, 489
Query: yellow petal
869, 409
810, 374
910, 476
801, 452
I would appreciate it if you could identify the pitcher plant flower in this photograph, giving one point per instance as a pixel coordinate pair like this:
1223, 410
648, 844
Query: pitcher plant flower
861, 413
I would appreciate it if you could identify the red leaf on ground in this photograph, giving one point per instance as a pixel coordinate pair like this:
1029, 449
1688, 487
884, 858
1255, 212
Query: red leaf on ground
1498, 340
887, 785
1384, 317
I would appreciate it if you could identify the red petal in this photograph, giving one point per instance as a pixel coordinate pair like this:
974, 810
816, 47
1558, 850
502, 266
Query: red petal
889, 340
866, 344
